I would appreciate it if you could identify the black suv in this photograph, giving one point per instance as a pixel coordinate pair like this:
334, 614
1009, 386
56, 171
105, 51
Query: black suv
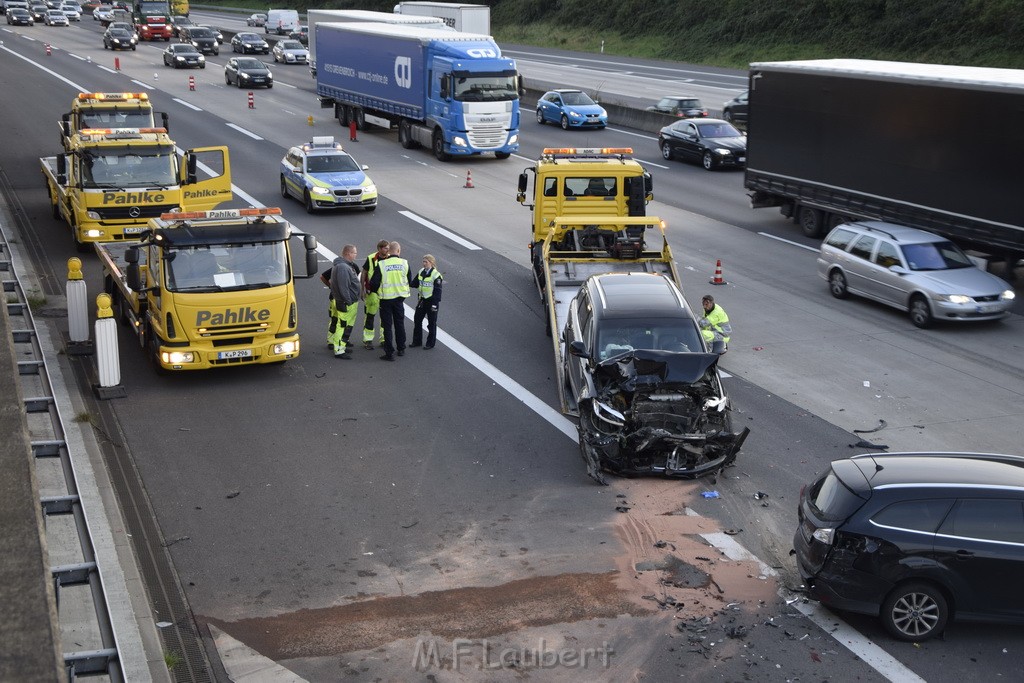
648, 392
916, 539
202, 38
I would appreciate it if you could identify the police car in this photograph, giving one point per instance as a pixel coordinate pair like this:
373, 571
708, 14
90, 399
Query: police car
323, 176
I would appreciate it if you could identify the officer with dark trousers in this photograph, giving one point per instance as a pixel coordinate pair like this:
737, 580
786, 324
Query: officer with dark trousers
428, 283
391, 282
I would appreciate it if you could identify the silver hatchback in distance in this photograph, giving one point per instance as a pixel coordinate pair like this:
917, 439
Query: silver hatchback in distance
915, 271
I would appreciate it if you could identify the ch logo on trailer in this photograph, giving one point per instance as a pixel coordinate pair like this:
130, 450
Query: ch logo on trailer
482, 52
403, 72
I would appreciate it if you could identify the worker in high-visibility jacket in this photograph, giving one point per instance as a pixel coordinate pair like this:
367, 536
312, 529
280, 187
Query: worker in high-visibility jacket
714, 326
391, 283
427, 282
371, 302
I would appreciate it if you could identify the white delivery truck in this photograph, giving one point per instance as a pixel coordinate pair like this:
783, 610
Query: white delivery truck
281, 21
465, 18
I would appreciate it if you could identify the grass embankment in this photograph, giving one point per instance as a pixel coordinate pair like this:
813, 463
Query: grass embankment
733, 33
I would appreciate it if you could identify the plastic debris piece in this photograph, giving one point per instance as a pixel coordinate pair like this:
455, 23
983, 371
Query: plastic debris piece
868, 444
867, 383
622, 508
881, 425
711, 494
759, 495
732, 532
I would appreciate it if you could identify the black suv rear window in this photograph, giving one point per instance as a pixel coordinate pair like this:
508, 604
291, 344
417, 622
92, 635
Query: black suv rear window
916, 515
832, 500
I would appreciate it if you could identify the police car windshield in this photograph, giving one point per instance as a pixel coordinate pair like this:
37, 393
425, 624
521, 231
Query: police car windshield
220, 268
129, 167
486, 88
331, 163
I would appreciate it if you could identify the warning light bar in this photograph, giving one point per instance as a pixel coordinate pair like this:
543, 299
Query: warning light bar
219, 214
114, 96
120, 131
587, 151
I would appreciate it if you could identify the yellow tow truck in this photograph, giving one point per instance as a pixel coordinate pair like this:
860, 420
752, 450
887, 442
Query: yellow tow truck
210, 289
111, 181
108, 110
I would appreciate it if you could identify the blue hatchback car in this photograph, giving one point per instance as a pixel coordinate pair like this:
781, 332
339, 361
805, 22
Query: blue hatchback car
571, 109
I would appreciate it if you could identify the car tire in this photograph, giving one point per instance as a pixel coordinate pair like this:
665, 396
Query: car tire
565, 122
308, 201
919, 311
666, 151
915, 612
133, 48
269, 86
837, 284
370, 208
540, 116
227, 80
284, 188
707, 160
812, 221
202, 66
216, 53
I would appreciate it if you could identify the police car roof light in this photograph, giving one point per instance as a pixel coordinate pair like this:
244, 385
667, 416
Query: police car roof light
322, 142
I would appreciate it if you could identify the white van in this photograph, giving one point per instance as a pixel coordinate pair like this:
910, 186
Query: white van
282, 21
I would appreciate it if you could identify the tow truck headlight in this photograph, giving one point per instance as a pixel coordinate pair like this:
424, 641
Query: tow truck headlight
459, 141
94, 233
178, 357
320, 190
93, 215
285, 348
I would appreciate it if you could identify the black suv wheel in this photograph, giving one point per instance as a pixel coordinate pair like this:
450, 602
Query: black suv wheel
915, 612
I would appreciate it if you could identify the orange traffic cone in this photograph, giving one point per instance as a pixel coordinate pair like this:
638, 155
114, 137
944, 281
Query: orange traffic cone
717, 279
469, 180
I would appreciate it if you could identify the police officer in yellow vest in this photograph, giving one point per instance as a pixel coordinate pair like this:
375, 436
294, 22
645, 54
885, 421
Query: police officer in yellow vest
391, 282
428, 283
714, 326
371, 301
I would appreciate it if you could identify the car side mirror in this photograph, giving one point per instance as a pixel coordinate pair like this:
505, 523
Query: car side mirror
718, 346
899, 270
365, 167
578, 349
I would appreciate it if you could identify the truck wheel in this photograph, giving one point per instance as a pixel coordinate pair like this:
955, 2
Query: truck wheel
360, 118
835, 219
666, 151
310, 206
920, 313
540, 116
341, 113
438, 145
54, 207
502, 155
405, 135
708, 161
153, 351
284, 187
837, 284
812, 221
565, 122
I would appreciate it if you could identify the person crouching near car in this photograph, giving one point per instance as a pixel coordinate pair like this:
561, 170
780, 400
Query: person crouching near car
427, 282
714, 326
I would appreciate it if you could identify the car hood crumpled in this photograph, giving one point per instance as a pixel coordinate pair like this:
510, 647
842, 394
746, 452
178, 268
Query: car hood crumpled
642, 368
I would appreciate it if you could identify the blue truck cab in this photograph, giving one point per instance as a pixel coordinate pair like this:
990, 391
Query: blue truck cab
322, 175
451, 92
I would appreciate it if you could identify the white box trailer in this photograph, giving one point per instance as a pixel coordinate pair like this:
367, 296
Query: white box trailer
465, 18
319, 16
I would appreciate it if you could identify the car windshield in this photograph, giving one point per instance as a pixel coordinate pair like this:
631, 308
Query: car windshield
331, 163
291, 45
121, 33
485, 87
935, 256
577, 98
250, 64
200, 33
718, 130
249, 38
689, 104
621, 336
129, 167
225, 267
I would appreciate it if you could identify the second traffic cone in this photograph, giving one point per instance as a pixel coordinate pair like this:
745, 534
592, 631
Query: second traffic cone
717, 279
469, 180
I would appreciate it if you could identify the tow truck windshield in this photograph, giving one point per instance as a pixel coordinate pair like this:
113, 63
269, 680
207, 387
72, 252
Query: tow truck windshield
231, 267
113, 118
129, 167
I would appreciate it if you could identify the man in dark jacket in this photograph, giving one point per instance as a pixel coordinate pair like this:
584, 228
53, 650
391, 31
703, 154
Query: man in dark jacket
427, 283
345, 290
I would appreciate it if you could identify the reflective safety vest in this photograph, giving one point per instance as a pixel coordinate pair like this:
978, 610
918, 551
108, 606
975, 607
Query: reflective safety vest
720, 327
394, 280
427, 283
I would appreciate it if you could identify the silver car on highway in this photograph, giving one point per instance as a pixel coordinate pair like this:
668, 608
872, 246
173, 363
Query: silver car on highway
915, 271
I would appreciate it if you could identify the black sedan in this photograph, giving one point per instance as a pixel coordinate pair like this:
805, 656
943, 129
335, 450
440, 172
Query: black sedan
203, 39
247, 72
20, 17
183, 55
712, 142
38, 12
118, 39
249, 43
735, 110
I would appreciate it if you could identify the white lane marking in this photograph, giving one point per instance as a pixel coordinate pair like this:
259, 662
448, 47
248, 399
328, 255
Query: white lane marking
286, 85
439, 230
147, 86
244, 131
107, 69
81, 59
782, 239
186, 104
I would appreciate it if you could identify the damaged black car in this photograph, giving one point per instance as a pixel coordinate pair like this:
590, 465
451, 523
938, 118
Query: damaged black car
645, 387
